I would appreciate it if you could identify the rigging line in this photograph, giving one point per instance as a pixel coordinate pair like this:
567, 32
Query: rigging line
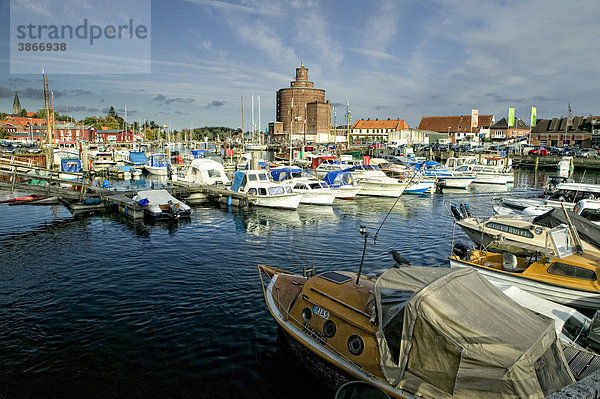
395, 202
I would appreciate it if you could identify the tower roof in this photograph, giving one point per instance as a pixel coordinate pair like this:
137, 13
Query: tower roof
16, 105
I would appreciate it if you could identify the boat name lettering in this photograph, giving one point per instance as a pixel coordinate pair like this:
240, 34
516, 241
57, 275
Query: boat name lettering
321, 312
317, 335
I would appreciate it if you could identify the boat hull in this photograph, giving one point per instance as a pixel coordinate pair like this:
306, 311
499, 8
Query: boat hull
375, 189
318, 197
342, 369
157, 170
280, 201
347, 192
456, 182
554, 293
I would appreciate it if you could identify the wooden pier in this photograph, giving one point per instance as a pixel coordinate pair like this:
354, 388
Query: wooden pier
78, 194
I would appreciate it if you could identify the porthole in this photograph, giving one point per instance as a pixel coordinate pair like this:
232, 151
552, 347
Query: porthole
329, 328
306, 314
355, 345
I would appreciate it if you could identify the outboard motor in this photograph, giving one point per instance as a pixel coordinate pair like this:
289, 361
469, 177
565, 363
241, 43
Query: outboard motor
464, 208
454, 209
173, 211
439, 186
461, 250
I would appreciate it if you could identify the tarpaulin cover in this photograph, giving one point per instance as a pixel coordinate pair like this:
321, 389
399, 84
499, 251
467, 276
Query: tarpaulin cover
450, 333
70, 165
338, 178
138, 158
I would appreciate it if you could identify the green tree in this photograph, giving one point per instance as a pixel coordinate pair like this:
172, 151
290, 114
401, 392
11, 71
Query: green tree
111, 111
4, 133
24, 112
110, 122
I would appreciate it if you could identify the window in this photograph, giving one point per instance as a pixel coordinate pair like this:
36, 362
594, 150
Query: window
275, 190
510, 229
252, 191
252, 178
263, 176
262, 191
567, 270
213, 173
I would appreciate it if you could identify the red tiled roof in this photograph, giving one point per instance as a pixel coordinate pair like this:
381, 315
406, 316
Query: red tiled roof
23, 120
397, 124
459, 123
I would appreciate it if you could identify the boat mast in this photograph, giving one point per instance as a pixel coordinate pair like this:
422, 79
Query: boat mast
259, 133
242, 123
252, 113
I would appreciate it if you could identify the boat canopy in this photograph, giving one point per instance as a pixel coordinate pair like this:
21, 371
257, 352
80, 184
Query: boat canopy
316, 161
282, 173
159, 160
238, 178
138, 158
337, 178
70, 165
446, 332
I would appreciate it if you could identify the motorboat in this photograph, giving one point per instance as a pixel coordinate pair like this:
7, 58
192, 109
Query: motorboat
567, 193
103, 160
313, 190
564, 275
415, 332
158, 164
343, 182
490, 170
160, 205
518, 234
263, 191
447, 178
418, 183
200, 171
376, 183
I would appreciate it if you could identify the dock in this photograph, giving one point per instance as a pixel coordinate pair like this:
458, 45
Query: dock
81, 195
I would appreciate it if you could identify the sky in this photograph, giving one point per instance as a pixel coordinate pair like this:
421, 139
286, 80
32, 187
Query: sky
386, 58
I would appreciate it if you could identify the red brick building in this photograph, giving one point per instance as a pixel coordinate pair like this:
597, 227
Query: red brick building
458, 128
301, 110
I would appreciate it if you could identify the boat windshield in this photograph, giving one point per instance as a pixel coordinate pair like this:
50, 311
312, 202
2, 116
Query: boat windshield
315, 186
263, 176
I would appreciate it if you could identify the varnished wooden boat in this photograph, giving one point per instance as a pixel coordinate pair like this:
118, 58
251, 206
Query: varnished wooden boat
417, 332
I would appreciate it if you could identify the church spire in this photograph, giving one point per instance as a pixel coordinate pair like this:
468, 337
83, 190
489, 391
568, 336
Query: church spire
16, 105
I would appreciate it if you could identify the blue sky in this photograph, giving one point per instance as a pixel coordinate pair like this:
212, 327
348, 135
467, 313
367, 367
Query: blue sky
389, 59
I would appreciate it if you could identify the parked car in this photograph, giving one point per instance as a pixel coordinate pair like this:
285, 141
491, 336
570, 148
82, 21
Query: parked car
568, 152
586, 153
479, 149
554, 151
538, 152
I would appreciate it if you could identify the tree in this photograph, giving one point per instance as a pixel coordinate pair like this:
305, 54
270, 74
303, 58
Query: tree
4, 133
111, 111
23, 112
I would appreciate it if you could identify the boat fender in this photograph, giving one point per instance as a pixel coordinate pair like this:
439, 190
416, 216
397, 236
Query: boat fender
461, 250
464, 208
456, 212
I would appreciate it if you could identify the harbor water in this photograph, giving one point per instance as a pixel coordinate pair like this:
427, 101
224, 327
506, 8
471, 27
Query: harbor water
100, 306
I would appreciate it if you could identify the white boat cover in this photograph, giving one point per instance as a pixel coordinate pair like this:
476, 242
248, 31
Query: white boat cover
450, 333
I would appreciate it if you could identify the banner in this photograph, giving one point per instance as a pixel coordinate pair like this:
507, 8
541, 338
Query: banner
474, 118
366, 160
511, 117
533, 116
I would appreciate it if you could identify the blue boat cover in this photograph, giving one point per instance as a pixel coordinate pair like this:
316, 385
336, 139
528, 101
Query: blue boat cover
199, 153
70, 165
279, 174
238, 177
345, 178
138, 158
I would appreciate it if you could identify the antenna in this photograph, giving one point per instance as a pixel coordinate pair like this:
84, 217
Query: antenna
365, 234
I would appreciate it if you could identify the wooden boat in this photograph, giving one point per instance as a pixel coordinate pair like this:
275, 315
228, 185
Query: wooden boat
31, 199
565, 277
416, 331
